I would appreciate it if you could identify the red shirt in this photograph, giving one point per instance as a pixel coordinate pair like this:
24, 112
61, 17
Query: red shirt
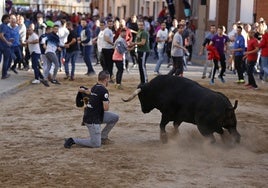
264, 45
252, 44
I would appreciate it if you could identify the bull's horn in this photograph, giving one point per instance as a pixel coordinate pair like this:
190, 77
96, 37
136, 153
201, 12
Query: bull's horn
235, 104
134, 94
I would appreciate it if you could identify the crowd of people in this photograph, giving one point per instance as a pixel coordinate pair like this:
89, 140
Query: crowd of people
51, 42
245, 49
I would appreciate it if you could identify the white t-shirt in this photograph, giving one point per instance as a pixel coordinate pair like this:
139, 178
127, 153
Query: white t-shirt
34, 47
162, 35
108, 32
100, 40
175, 51
63, 35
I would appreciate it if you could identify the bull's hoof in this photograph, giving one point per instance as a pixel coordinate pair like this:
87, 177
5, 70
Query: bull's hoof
212, 139
175, 132
237, 139
164, 138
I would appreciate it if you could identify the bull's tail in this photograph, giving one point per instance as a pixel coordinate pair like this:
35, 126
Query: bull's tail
235, 104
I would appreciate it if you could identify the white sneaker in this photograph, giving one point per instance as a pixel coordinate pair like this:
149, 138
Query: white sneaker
36, 81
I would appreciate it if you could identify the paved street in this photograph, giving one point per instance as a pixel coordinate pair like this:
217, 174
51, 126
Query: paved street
24, 78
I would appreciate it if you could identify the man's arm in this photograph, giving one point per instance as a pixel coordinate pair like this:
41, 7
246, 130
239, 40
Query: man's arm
3, 38
106, 105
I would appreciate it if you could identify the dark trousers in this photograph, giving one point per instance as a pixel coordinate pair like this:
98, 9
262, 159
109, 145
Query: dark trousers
239, 66
120, 70
108, 60
35, 65
216, 66
250, 71
190, 50
177, 69
133, 56
70, 57
142, 58
61, 55
16, 56
6, 52
87, 59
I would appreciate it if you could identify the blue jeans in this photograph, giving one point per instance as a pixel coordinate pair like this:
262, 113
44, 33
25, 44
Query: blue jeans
6, 52
95, 132
61, 54
87, 59
35, 65
70, 56
16, 55
264, 66
160, 59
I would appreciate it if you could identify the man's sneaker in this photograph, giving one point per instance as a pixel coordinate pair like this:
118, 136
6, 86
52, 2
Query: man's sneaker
241, 81
203, 77
169, 65
55, 82
222, 79
71, 78
211, 82
134, 65
156, 73
45, 82
66, 77
118, 86
106, 141
252, 87
14, 70
35, 81
5, 77
68, 143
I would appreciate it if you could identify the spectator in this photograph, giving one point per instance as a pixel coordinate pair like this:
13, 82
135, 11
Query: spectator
177, 52
161, 39
142, 42
107, 49
22, 32
100, 41
251, 55
133, 26
264, 56
16, 55
5, 45
220, 42
86, 41
72, 51
206, 42
51, 46
34, 49
121, 48
63, 34
238, 51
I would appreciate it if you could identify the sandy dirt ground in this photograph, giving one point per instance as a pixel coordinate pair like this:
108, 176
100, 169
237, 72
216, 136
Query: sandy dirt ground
35, 121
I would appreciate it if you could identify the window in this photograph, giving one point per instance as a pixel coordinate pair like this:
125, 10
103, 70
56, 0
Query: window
212, 10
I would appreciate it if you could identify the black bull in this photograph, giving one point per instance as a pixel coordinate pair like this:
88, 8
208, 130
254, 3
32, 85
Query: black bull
183, 100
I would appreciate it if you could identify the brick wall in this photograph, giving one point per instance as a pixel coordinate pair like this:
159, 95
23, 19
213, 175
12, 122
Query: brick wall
262, 9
